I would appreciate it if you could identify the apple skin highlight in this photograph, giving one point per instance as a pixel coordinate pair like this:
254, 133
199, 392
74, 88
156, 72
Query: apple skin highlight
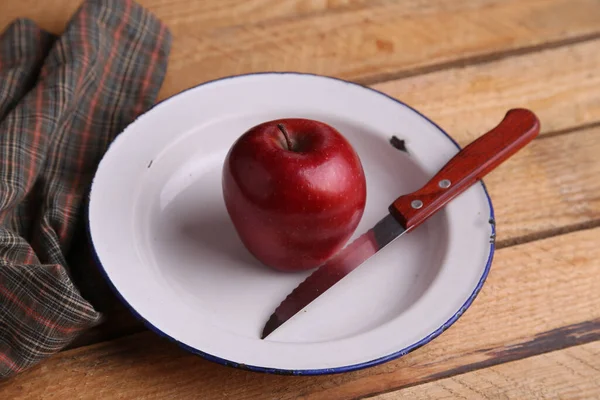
295, 191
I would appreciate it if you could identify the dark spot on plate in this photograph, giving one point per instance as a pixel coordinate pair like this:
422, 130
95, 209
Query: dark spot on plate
150, 163
398, 144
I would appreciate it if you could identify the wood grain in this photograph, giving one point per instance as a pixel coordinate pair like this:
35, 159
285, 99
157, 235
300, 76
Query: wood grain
194, 16
560, 85
353, 39
539, 296
551, 186
571, 373
366, 43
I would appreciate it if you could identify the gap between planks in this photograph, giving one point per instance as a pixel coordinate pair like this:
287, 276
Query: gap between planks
566, 373
560, 85
547, 342
481, 59
592, 224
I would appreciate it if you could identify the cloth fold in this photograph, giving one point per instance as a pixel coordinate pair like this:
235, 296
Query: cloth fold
62, 101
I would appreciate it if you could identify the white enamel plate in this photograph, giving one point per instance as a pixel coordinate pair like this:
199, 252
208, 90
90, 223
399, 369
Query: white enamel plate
204, 290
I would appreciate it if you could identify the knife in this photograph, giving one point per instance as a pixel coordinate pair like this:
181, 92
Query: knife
517, 128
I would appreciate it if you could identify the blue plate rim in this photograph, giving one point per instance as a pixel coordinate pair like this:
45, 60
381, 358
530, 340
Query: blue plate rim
320, 371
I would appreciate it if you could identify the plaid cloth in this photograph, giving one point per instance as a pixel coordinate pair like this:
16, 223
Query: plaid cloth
62, 100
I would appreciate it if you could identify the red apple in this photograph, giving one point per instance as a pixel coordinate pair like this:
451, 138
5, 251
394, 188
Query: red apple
295, 190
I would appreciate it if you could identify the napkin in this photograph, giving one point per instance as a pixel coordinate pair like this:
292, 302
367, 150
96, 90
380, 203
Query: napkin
62, 101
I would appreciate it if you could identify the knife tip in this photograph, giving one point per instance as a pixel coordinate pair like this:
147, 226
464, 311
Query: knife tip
273, 323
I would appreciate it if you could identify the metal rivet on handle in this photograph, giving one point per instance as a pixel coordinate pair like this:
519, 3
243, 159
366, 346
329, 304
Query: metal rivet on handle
416, 204
444, 183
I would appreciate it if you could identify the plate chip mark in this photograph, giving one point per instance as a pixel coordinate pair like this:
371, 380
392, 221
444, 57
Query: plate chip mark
492, 222
398, 144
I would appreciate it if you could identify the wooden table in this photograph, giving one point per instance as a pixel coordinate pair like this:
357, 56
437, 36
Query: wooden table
534, 331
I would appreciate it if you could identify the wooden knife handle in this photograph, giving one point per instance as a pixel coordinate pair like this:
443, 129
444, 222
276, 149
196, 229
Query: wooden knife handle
517, 129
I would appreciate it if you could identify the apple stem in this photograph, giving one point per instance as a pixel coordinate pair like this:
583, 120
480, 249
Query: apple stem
288, 141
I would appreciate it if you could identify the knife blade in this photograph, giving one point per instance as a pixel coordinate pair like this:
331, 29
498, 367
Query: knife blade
517, 129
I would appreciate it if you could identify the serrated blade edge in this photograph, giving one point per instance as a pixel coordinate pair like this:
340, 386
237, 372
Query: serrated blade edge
346, 261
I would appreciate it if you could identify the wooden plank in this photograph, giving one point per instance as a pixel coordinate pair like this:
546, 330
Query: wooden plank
353, 39
195, 16
366, 43
561, 85
571, 373
539, 297
551, 186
